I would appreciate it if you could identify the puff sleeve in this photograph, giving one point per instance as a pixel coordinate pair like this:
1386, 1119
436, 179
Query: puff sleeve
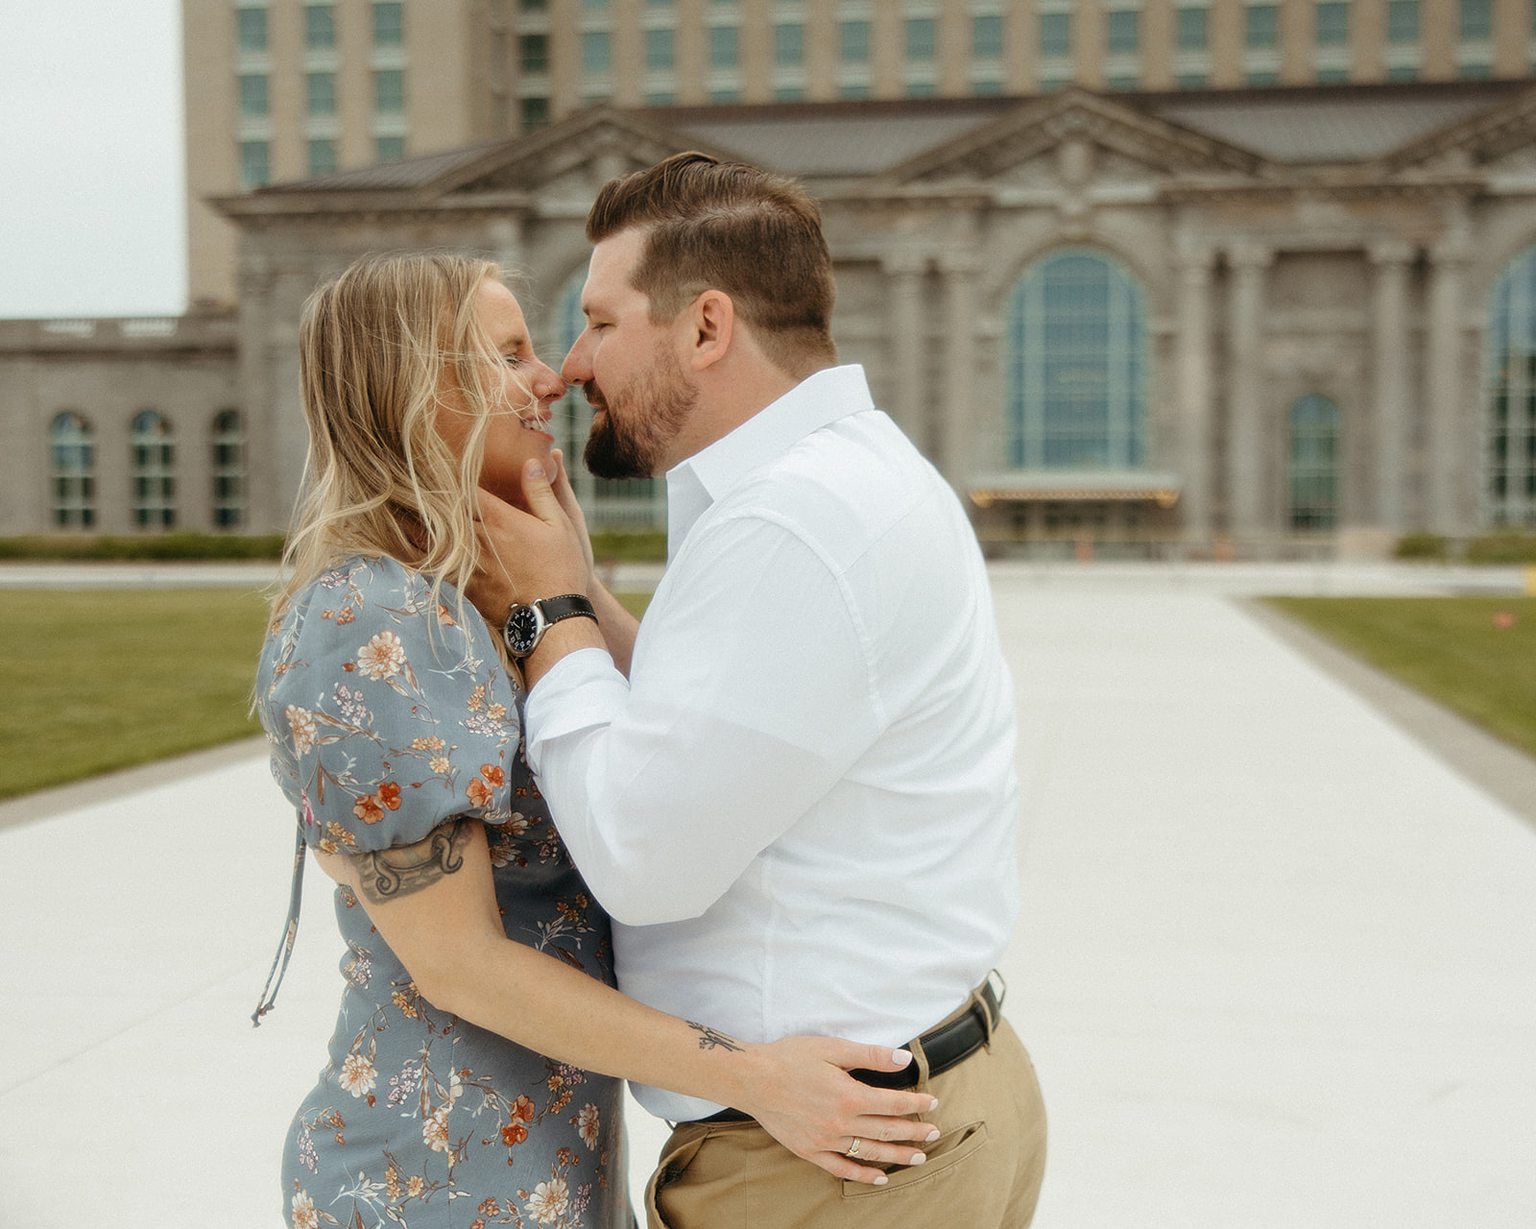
385, 714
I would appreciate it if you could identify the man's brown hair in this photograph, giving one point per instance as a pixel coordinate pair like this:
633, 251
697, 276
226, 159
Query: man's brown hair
713, 225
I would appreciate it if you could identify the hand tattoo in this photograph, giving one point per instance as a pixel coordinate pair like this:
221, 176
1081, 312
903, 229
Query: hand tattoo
714, 1039
387, 873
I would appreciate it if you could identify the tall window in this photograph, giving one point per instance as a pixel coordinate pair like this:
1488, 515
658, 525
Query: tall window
254, 168
1190, 29
1124, 33
228, 470
251, 29
1511, 480
637, 503
320, 93
660, 48
1314, 463
596, 51
1262, 25
789, 44
922, 38
1332, 23
987, 36
253, 94
1055, 34
1077, 365
73, 462
389, 91
321, 155
533, 52
1476, 21
1402, 21
319, 26
388, 149
724, 46
153, 462
853, 42
388, 23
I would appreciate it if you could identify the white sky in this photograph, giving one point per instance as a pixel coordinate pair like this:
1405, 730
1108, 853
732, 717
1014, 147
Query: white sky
91, 178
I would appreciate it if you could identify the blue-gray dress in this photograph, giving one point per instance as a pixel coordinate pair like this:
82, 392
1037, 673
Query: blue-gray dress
387, 714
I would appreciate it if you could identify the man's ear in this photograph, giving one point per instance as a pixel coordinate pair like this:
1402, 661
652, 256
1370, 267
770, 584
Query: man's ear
711, 327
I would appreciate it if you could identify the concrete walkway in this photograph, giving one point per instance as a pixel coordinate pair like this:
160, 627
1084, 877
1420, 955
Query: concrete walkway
1277, 965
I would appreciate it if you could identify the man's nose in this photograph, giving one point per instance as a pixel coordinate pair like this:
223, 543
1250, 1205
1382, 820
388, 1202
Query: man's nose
577, 369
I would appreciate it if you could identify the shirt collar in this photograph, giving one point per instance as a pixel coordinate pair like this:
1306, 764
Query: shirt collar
819, 400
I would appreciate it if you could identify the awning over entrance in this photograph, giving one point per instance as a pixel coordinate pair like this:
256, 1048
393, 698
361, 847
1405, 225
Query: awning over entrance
1079, 486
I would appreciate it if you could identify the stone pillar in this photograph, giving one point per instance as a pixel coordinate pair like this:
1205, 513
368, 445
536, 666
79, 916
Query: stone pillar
1390, 348
1446, 452
1250, 510
904, 273
1194, 391
956, 444
508, 249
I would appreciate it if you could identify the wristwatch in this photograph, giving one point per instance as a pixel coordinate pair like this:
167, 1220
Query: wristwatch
526, 625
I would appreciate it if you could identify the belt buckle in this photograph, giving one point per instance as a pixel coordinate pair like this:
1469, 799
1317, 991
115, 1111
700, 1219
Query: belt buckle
999, 991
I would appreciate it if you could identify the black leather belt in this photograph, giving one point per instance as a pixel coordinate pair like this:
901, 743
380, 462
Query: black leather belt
944, 1047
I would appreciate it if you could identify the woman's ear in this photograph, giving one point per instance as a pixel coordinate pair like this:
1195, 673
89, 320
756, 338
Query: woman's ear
711, 326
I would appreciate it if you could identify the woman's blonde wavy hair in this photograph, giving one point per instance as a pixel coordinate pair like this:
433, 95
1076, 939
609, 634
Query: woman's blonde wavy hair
384, 347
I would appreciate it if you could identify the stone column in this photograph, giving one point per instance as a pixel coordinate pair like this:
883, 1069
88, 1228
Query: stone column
956, 451
1194, 385
1250, 506
1446, 452
507, 246
1390, 348
904, 273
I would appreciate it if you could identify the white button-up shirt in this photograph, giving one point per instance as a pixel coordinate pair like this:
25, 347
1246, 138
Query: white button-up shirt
801, 807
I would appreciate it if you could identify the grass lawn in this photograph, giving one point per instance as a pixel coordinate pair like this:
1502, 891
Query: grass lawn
95, 680
1452, 649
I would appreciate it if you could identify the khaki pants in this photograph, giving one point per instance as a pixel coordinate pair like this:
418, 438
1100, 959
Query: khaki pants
983, 1172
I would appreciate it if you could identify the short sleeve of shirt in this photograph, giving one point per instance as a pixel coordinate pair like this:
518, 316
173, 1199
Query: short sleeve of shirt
386, 714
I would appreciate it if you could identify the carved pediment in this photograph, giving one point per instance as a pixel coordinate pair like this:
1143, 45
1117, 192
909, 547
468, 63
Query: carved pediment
1489, 138
573, 157
1113, 135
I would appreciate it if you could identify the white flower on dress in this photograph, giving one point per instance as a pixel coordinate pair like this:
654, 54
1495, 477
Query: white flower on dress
302, 722
434, 1131
382, 657
357, 1075
304, 1214
588, 1124
549, 1201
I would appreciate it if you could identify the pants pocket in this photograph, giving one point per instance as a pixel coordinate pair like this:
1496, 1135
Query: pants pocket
944, 1153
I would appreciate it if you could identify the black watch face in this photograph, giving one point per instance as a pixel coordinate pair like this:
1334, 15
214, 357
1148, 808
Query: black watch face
522, 630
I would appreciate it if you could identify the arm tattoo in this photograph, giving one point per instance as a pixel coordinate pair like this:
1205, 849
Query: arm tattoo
387, 873
714, 1039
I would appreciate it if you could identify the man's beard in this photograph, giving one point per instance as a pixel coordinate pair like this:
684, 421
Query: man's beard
655, 406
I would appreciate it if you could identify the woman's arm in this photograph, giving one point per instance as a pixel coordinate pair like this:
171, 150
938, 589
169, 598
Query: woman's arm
435, 906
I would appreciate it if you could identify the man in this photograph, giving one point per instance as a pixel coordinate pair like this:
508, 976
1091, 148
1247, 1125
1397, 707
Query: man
800, 806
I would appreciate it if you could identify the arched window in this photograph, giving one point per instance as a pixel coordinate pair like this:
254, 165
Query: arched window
1077, 366
228, 441
73, 464
154, 479
637, 503
1314, 463
1511, 482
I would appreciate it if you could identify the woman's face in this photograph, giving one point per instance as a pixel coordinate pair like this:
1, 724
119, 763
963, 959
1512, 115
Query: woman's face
516, 432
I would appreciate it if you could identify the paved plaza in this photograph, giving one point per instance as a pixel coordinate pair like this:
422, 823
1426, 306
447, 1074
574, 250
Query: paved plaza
1276, 965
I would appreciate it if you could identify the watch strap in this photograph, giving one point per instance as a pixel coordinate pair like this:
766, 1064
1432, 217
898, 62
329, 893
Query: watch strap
566, 606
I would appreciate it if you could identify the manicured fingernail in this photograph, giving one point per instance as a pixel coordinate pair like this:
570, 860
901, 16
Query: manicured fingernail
933, 1104
932, 1135
534, 468
901, 1056
881, 1180
918, 1158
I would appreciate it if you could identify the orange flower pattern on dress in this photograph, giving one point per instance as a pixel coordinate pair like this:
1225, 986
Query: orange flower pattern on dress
386, 718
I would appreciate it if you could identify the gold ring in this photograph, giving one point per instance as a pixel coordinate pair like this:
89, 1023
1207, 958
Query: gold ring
853, 1148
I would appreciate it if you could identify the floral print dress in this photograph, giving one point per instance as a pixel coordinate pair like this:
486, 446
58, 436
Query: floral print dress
387, 715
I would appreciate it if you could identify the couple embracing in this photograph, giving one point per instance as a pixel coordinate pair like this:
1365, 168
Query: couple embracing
755, 855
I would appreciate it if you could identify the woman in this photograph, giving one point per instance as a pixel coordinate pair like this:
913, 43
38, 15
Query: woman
470, 1076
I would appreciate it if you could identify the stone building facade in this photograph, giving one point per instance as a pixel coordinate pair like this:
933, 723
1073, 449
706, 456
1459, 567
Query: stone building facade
1259, 323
